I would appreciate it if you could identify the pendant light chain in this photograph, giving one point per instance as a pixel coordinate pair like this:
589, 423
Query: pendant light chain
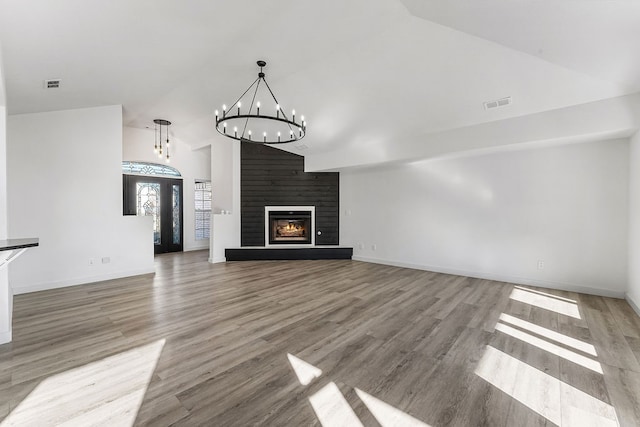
158, 137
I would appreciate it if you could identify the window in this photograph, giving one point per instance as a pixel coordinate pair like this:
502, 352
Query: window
143, 168
203, 209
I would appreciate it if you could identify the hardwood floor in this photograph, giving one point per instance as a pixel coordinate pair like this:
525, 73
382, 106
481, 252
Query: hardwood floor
290, 343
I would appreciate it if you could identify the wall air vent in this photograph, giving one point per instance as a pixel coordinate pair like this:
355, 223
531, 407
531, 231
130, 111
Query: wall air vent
497, 103
52, 84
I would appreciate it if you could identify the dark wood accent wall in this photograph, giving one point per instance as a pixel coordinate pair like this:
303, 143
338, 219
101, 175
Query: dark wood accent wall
272, 177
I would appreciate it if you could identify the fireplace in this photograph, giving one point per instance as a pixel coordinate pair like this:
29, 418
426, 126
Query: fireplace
289, 225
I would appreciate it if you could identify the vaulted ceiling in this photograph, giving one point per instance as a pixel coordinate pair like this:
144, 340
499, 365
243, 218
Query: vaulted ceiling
378, 80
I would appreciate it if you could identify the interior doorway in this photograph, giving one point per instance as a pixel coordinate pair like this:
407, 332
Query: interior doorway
161, 198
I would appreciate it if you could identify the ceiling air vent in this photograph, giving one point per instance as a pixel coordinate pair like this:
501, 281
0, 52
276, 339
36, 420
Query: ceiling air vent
52, 84
497, 103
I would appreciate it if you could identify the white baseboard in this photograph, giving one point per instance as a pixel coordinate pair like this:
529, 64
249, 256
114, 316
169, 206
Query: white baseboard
5, 337
45, 286
561, 286
633, 304
217, 260
195, 248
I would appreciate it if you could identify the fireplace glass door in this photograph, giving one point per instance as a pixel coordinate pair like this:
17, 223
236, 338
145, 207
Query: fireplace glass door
289, 227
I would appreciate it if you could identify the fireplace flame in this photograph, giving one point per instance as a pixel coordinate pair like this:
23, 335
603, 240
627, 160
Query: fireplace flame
290, 229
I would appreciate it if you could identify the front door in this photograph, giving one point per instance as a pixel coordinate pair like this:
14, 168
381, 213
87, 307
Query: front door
160, 198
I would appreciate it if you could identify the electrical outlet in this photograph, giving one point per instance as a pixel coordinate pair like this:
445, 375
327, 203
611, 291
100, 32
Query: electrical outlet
374, 247
106, 260
540, 264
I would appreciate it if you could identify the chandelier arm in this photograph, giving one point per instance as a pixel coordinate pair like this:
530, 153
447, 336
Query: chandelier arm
277, 103
246, 122
245, 92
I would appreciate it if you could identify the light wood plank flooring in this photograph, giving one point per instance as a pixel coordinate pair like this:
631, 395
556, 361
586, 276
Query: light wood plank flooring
297, 343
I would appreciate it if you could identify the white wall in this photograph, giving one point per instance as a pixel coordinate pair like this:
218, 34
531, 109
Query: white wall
222, 174
497, 215
225, 229
65, 187
192, 164
633, 293
5, 290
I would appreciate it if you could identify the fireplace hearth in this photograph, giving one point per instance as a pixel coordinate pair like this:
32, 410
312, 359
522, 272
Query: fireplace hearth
289, 225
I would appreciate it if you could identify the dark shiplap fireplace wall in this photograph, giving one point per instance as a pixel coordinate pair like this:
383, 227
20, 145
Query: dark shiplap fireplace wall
272, 177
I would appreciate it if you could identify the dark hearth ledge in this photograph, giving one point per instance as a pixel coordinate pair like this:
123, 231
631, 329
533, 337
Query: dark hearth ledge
287, 253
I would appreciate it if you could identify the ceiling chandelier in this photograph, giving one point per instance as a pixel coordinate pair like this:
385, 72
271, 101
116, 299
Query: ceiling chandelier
158, 138
270, 123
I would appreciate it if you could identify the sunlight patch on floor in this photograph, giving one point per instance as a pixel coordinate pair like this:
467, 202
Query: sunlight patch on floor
548, 333
387, 415
547, 294
550, 347
539, 299
555, 400
305, 372
106, 392
332, 409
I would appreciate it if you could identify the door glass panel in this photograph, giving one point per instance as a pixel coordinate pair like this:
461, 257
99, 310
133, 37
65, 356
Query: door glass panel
148, 203
176, 214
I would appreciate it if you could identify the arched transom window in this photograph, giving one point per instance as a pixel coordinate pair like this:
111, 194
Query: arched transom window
144, 168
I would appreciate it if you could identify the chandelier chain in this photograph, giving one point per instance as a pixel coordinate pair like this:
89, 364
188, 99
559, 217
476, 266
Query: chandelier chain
246, 122
245, 92
277, 103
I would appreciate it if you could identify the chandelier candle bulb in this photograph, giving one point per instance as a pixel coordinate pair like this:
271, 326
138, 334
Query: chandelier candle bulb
224, 125
258, 107
293, 113
216, 115
249, 135
235, 132
224, 110
277, 111
264, 136
278, 136
239, 105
